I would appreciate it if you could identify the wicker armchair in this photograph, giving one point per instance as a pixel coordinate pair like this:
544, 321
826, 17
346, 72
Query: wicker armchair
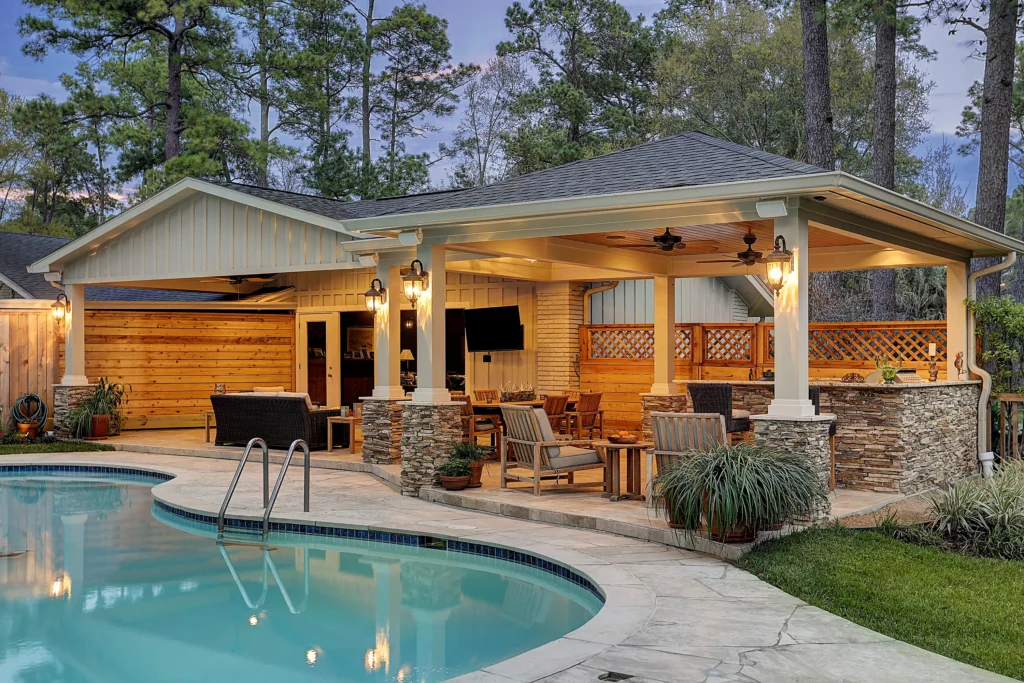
814, 394
717, 398
276, 419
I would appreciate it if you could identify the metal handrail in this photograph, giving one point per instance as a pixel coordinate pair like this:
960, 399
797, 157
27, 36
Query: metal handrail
238, 581
269, 561
238, 474
298, 443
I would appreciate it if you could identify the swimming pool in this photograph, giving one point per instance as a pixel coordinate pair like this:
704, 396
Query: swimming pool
97, 583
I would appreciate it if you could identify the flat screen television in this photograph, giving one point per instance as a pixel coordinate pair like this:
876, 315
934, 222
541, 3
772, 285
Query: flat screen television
493, 329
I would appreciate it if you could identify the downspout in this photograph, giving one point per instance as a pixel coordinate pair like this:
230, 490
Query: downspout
985, 456
591, 292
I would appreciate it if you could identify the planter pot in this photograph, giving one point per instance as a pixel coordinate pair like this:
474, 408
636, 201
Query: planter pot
454, 483
28, 430
477, 467
737, 533
100, 425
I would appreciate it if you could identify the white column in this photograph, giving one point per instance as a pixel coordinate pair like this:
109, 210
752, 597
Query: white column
430, 333
956, 318
791, 325
430, 639
387, 369
74, 550
664, 336
74, 337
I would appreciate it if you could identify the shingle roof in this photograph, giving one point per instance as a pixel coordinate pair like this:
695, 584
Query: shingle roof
687, 159
18, 250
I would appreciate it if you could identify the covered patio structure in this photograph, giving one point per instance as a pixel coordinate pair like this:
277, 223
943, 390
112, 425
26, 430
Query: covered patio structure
586, 222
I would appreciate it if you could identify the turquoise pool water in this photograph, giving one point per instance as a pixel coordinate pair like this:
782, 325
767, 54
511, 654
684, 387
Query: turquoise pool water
97, 584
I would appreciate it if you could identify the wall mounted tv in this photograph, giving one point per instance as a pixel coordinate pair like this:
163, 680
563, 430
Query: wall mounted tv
493, 329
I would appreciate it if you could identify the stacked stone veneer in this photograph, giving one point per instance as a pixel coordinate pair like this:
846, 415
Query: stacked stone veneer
808, 438
430, 431
894, 439
559, 316
677, 403
65, 399
382, 431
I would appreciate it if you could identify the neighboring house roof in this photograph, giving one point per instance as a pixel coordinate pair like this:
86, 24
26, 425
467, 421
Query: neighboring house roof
18, 250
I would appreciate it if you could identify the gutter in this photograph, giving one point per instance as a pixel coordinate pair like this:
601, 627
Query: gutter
985, 456
590, 293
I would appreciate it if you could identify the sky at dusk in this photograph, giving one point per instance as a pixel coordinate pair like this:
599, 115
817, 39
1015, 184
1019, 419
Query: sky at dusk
476, 26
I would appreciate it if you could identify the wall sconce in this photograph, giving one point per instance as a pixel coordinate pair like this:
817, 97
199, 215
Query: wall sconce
779, 263
60, 307
376, 296
414, 282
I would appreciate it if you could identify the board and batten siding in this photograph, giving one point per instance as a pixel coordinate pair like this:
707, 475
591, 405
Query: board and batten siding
174, 360
29, 354
204, 235
698, 300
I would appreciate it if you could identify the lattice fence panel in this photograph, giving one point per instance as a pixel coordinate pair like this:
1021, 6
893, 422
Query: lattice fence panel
684, 343
864, 345
621, 343
728, 344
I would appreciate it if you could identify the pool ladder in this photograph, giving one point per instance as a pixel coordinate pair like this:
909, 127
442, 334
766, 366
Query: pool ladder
268, 500
268, 562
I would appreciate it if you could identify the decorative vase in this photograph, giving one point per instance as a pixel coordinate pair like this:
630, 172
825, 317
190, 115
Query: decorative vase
28, 430
477, 472
455, 483
100, 425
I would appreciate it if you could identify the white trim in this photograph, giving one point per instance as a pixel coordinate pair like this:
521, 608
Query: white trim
188, 306
15, 288
26, 304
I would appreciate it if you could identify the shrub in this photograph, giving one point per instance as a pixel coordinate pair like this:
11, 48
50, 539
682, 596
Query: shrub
737, 486
468, 451
456, 467
984, 517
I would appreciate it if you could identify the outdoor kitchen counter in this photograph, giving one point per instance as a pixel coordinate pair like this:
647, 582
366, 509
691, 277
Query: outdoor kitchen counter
900, 438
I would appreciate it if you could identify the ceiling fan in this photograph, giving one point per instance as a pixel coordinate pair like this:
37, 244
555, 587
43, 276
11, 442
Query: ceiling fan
239, 279
747, 257
667, 241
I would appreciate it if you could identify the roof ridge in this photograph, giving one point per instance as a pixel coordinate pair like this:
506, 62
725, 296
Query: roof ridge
222, 183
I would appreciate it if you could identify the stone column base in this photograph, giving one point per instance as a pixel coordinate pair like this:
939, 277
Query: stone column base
382, 430
67, 397
430, 431
676, 403
806, 436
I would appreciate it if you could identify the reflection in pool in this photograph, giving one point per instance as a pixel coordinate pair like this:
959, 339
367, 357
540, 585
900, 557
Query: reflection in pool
96, 584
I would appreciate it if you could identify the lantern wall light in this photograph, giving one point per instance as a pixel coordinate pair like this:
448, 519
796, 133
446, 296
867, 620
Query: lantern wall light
60, 307
376, 296
779, 264
415, 282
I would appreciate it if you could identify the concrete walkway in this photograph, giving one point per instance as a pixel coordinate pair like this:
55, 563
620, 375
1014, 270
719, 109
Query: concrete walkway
671, 616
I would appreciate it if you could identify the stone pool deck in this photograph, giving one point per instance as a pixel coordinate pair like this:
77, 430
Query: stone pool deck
671, 615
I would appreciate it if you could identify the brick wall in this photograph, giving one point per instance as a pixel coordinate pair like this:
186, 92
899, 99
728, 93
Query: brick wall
559, 316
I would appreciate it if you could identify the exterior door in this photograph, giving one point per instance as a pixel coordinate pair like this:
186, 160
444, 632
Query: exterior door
318, 357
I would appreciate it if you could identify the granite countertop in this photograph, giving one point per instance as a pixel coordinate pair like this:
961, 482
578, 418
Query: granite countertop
844, 385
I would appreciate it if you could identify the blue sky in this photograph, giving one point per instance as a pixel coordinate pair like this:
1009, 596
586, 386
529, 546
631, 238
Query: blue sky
476, 26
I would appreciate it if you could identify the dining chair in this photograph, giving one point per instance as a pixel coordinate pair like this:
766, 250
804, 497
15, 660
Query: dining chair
486, 395
588, 416
554, 406
474, 425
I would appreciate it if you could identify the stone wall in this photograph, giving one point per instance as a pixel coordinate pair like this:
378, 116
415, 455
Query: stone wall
65, 399
808, 438
940, 431
430, 431
678, 403
559, 316
382, 431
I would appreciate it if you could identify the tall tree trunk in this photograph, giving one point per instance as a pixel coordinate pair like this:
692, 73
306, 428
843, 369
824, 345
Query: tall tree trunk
367, 74
997, 96
883, 169
817, 91
172, 134
261, 50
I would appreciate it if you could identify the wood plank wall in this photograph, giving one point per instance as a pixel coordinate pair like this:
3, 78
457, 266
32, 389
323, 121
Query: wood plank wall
29, 356
174, 360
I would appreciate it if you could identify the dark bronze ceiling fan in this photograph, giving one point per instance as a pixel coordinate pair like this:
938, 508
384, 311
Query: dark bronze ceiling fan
239, 279
747, 257
667, 241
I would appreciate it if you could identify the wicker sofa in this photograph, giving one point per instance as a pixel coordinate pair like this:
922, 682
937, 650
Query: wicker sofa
277, 418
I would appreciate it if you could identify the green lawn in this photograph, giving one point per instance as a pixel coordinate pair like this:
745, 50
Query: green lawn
56, 447
966, 608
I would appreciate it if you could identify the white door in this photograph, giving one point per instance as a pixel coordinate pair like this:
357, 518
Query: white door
318, 357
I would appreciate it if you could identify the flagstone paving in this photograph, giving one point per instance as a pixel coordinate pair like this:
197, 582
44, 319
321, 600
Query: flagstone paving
671, 615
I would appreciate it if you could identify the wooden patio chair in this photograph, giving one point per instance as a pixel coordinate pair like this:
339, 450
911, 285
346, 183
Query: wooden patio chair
573, 394
554, 407
677, 433
485, 395
717, 398
474, 425
588, 416
528, 435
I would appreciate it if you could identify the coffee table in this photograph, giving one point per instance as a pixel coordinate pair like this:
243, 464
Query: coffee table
611, 453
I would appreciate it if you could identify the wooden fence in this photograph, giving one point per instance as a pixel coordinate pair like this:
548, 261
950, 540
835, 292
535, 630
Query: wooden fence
29, 353
618, 360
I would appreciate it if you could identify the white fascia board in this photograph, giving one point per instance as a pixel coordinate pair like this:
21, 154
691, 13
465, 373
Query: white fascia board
15, 288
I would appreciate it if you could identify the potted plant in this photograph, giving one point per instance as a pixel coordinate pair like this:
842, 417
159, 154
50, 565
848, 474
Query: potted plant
888, 370
475, 455
732, 491
455, 474
109, 399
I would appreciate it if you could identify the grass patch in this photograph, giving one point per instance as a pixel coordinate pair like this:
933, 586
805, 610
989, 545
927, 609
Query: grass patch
53, 447
966, 608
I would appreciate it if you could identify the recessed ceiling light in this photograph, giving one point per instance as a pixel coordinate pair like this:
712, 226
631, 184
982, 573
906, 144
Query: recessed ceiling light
616, 237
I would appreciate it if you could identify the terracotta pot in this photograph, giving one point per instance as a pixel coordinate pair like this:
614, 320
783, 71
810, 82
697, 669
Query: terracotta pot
454, 483
28, 430
100, 425
477, 471
737, 533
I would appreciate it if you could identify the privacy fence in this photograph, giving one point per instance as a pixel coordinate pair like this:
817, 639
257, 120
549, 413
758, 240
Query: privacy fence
618, 360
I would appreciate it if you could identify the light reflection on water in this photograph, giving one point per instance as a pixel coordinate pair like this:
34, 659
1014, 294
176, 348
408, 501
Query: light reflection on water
97, 585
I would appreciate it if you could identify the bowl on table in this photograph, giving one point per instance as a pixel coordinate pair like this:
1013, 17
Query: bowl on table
623, 438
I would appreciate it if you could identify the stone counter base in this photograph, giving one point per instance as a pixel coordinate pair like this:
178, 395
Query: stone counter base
808, 438
382, 431
652, 403
430, 431
65, 399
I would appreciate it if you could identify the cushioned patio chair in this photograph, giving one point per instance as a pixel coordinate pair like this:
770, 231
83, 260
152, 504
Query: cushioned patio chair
474, 425
675, 434
276, 417
717, 398
529, 437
